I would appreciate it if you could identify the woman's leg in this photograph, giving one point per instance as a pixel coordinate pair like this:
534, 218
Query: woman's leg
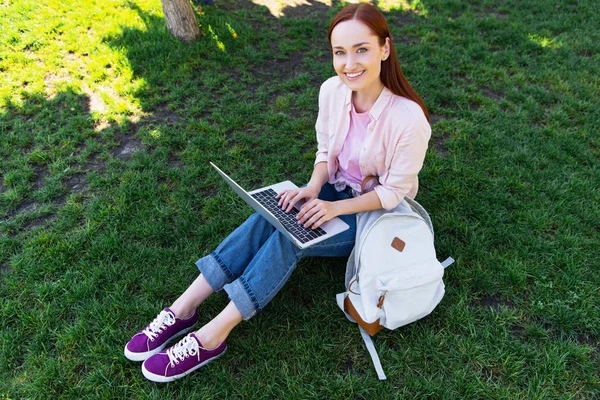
194, 295
261, 266
216, 331
264, 276
269, 270
234, 254
225, 264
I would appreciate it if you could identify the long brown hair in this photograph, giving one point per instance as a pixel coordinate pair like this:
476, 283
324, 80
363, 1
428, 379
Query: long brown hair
391, 73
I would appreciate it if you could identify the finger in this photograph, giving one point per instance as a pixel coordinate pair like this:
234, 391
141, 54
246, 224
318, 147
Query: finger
320, 222
311, 216
314, 218
285, 199
290, 204
286, 202
309, 204
301, 212
294, 200
281, 195
306, 212
324, 216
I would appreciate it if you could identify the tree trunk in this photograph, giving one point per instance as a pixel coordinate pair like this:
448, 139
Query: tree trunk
181, 19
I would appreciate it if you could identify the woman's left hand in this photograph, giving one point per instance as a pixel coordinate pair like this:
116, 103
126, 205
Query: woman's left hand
316, 212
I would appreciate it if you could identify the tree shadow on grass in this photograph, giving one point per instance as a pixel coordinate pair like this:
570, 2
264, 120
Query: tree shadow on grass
276, 41
238, 39
251, 83
37, 133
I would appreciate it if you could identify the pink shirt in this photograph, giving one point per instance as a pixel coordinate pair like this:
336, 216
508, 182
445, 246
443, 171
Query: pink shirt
395, 145
348, 169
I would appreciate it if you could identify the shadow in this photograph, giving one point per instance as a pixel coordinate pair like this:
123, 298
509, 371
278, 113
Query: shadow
50, 146
238, 39
34, 133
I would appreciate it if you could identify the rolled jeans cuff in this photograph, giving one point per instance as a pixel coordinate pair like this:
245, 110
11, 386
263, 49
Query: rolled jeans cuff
214, 271
242, 296
218, 276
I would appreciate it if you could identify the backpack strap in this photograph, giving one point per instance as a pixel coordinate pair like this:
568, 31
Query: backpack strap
416, 207
365, 181
447, 262
341, 297
374, 356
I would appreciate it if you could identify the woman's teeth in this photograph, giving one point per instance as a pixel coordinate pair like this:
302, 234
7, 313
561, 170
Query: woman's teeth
354, 75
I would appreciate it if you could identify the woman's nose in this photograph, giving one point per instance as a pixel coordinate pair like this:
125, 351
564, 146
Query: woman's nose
350, 62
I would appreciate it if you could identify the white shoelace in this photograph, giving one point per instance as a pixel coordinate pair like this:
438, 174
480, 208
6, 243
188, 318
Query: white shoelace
186, 347
160, 323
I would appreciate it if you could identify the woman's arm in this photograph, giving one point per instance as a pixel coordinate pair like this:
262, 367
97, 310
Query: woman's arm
407, 160
289, 198
319, 176
315, 212
366, 202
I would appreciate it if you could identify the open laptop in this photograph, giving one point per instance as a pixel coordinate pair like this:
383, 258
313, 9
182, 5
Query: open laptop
263, 201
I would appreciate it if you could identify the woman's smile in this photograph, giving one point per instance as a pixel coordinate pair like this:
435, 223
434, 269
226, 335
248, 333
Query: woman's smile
354, 75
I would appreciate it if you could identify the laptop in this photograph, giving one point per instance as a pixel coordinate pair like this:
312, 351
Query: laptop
263, 202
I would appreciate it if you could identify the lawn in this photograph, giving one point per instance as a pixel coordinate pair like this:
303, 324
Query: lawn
107, 127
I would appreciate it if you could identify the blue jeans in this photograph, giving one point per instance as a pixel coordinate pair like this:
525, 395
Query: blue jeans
254, 262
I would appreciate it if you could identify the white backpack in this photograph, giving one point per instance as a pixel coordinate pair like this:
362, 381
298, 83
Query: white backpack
393, 277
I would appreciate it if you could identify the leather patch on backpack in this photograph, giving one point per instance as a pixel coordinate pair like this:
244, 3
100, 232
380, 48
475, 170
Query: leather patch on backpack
398, 244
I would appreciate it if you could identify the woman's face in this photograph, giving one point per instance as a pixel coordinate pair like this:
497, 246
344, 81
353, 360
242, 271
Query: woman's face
357, 55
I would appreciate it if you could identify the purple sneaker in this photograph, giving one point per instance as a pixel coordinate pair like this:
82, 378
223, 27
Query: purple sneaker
183, 358
153, 338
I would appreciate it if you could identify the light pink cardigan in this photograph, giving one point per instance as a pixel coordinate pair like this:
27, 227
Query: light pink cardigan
395, 146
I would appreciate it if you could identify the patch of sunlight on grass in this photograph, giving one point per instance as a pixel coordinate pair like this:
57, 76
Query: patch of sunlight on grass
155, 133
231, 30
57, 47
415, 6
220, 44
544, 42
276, 7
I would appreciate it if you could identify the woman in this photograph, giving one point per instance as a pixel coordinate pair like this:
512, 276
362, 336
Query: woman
370, 122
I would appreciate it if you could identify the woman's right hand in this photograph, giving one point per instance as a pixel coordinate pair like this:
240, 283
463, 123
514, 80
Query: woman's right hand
289, 198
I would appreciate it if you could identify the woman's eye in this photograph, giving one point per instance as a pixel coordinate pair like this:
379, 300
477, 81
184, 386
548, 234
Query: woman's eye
361, 50
339, 53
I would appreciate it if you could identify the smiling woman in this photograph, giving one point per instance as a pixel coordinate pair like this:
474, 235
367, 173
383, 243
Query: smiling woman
364, 20
358, 62
370, 123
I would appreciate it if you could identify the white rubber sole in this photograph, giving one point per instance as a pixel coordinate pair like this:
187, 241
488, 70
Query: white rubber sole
144, 356
163, 379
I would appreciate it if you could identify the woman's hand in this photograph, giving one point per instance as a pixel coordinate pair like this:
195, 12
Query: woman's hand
289, 198
316, 212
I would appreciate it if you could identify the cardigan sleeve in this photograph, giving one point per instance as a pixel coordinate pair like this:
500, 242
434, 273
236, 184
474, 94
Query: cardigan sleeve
321, 127
407, 160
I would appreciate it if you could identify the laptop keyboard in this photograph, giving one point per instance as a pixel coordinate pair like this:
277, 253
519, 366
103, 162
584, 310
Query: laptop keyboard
288, 220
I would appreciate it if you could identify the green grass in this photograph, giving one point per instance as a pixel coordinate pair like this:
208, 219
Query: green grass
107, 125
